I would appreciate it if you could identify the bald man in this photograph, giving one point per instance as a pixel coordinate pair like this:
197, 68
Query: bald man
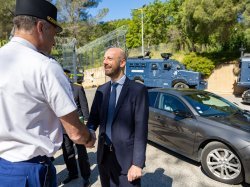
120, 110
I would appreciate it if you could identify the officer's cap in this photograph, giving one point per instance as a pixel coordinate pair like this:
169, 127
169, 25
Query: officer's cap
38, 8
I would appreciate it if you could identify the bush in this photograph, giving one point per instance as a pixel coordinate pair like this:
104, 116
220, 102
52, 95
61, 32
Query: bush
198, 63
3, 42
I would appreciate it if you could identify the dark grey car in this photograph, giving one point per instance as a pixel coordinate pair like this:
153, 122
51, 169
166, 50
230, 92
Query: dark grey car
204, 127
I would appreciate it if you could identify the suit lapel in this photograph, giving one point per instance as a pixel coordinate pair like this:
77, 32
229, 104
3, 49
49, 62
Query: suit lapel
122, 96
106, 94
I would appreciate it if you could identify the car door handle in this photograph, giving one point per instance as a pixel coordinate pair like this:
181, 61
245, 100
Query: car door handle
158, 118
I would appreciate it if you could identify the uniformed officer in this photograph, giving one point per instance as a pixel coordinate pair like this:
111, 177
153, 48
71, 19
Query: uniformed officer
68, 146
35, 99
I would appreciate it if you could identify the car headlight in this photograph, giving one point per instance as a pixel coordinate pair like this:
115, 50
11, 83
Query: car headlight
246, 94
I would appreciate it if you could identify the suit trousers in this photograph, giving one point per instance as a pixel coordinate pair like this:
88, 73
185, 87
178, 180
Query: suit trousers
38, 171
110, 171
70, 160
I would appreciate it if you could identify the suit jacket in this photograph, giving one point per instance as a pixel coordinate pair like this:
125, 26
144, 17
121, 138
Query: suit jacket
80, 100
130, 123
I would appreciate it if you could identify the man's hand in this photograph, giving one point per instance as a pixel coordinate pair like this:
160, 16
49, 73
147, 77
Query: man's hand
92, 141
134, 173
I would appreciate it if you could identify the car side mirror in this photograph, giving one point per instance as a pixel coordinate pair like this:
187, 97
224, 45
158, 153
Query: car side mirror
183, 114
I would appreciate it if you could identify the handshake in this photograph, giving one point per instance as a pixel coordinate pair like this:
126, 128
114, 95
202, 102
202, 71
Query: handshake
92, 136
91, 139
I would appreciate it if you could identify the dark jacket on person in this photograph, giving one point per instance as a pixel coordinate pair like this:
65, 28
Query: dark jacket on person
80, 100
130, 123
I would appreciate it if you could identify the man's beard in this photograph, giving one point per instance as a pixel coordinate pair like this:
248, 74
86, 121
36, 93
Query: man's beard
112, 72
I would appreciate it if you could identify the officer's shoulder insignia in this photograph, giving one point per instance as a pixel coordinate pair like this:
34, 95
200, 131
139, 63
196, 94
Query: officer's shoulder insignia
77, 84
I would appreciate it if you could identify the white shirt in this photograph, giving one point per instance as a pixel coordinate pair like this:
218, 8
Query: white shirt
34, 92
120, 82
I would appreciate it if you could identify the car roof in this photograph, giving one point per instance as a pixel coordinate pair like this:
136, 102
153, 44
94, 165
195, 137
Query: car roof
129, 60
178, 92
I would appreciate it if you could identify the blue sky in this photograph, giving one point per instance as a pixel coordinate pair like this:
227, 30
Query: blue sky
119, 9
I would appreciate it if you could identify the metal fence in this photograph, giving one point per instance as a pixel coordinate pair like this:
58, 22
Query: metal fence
91, 55
88, 56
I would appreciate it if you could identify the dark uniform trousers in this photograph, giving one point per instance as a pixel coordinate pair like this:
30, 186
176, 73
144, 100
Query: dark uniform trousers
70, 160
36, 172
110, 171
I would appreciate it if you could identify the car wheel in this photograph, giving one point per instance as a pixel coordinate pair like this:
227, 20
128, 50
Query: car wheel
181, 85
221, 163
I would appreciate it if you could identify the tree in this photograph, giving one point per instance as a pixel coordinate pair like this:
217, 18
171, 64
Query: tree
242, 29
73, 11
6, 14
205, 22
156, 22
133, 37
75, 14
159, 20
155, 19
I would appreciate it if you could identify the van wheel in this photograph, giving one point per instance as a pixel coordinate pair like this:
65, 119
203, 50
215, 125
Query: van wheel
181, 85
221, 163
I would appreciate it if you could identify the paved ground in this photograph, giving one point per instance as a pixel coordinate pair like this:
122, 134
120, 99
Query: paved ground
237, 101
164, 168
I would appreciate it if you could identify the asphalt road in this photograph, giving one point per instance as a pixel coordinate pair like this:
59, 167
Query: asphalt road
164, 168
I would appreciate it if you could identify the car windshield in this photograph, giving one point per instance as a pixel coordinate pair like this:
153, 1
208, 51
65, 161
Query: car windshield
208, 104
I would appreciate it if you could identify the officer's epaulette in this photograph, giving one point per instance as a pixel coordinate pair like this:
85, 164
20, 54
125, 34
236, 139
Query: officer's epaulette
77, 84
49, 56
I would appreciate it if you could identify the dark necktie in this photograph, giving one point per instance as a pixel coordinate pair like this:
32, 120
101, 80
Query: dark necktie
111, 111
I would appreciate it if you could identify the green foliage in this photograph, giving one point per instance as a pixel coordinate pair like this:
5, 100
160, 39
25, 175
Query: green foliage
189, 25
198, 63
76, 19
74, 11
6, 14
214, 29
155, 19
3, 42
203, 20
247, 38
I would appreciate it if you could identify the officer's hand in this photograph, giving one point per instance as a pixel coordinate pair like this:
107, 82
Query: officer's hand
92, 141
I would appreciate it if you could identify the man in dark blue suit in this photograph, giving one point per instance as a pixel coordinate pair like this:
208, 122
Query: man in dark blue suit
120, 110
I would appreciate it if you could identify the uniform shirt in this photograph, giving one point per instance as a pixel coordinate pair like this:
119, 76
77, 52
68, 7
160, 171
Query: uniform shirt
34, 92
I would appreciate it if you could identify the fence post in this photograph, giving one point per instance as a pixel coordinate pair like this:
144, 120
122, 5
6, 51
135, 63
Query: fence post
74, 59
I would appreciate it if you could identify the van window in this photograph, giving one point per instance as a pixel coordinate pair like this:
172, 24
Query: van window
154, 67
167, 66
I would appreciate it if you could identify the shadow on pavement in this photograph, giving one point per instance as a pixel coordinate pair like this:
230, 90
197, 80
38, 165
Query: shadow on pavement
59, 161
79, 181
168, 151
157, 179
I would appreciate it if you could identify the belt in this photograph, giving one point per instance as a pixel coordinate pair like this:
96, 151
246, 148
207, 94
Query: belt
39, 159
